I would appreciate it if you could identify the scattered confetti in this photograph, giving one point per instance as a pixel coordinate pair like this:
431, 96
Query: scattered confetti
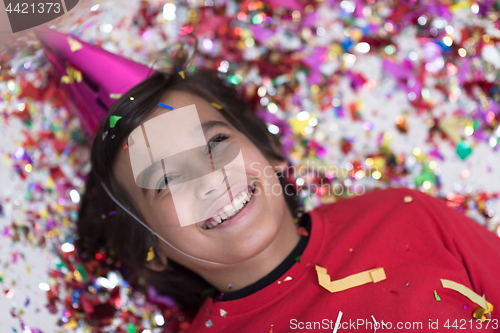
222, 313
165, 106
73, 75
151, 254
181, 73
436, 296
115, 96
408, 198
481, 313
470, 294
302, 231
217, 106
372, 275
113, 120
74, 45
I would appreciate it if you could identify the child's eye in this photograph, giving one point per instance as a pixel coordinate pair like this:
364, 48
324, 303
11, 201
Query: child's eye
215, 141
164, 181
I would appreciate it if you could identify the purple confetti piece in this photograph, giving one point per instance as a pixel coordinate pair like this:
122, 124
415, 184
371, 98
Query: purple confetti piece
260, 34
463, 70
155, 297
309, 20
313, 61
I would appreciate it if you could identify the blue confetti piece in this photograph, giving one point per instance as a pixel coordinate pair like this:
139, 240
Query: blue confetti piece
165, 106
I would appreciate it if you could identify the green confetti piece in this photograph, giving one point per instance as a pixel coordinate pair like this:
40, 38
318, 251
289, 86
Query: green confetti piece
298, 259
210, 292
464, 150
115, 96
131, 328
426, 175
82, 271
436, 295
113, 120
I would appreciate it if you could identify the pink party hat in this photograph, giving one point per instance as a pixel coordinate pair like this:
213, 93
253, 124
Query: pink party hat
92, 77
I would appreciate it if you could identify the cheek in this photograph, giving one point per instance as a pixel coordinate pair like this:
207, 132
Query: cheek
161, 216
257, 165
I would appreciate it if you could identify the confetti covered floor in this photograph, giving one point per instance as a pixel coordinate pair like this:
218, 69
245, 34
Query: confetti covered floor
363, 94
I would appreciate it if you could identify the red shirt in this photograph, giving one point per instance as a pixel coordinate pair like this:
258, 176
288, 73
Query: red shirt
417, 243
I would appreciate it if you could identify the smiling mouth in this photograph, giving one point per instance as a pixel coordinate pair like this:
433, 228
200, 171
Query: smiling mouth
230, 210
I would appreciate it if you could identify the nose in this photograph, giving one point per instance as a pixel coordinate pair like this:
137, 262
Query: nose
212, 184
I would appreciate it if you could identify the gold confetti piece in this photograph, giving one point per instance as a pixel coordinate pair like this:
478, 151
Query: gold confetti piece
73, 76
78, 277
181, 73
470, 294
223, 313
480, 313
151, 254
71, 324
74, 45
372, 275
408, 198
217, 106
115, 96
288, 278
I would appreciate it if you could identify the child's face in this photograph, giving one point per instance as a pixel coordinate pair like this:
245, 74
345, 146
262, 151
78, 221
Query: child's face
241, 237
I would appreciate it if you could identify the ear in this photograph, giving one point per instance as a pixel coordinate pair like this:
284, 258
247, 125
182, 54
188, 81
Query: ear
159, 263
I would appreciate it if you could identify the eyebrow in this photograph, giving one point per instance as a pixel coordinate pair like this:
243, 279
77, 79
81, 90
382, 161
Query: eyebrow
205, 127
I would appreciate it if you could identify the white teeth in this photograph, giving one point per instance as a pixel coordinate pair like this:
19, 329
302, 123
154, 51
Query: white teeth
237, 203
229, 210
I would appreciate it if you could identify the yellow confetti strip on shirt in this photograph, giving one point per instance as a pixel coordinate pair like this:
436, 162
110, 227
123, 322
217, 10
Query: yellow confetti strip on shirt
372, 275
470, 294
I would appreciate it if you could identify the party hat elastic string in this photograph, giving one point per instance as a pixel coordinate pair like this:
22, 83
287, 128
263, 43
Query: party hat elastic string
147, 227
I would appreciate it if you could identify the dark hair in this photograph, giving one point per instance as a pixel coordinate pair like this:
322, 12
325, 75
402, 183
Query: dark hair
119, 232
